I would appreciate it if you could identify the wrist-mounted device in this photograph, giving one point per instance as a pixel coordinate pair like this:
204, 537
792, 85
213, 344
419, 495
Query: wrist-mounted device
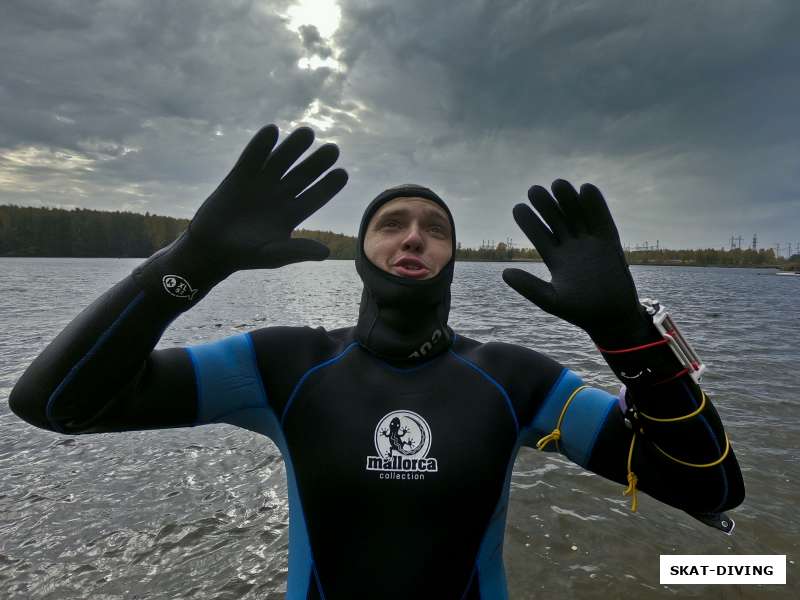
679, 345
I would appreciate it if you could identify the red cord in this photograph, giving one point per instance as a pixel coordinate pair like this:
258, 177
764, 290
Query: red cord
678, 374
644, 347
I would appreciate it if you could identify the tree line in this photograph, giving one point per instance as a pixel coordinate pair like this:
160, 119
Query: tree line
33, 231
79, 232
710, 256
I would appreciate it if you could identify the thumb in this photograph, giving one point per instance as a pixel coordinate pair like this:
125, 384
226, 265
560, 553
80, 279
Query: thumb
277, 254
538, 291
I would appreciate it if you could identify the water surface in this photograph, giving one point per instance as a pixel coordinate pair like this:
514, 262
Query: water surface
202, 513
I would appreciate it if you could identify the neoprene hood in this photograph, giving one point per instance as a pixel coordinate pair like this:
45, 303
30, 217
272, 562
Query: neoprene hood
400, 318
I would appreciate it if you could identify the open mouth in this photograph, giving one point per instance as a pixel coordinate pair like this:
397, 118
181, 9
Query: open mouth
410, 267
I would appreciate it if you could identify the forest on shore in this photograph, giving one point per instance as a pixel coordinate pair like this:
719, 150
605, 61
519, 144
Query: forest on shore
56, 232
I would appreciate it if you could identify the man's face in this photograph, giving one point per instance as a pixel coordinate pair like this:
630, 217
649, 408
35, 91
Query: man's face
409, 237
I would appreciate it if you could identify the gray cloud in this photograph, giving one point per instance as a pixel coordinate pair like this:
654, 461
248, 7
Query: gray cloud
683, 113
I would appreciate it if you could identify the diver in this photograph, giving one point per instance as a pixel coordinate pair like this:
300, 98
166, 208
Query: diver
388, 426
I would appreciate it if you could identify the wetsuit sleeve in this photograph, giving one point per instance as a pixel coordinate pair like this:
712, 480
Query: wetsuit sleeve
686, 462
101, 373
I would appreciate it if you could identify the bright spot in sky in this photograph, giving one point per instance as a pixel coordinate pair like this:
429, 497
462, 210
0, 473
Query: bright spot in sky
313, 117
315, 62
325, 15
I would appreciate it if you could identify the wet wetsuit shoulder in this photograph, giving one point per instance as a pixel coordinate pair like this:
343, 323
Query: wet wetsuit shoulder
240, 377
538, 387
376, 453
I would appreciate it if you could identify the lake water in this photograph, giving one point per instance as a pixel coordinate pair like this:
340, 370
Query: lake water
202, 513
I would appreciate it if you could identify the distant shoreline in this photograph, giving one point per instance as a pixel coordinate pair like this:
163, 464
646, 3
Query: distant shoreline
470, 260
81, 233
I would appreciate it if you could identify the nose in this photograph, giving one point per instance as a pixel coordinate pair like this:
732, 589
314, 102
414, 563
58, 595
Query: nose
414, 240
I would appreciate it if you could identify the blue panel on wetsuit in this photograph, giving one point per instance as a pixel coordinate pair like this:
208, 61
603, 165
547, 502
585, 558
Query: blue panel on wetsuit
585, 417
230, 390
227, 378
491, 572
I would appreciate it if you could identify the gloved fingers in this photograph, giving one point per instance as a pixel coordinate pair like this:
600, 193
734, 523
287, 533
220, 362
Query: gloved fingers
598, 216
277, 254
539, 235
287, 153
570, 205
315, 197
538, 291
256, 151
548, 208
308, 171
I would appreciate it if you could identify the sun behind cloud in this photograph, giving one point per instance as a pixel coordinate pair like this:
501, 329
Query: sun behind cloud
325, 15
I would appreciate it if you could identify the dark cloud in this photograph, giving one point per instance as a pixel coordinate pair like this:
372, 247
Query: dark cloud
124, 73
313, 42
683, 113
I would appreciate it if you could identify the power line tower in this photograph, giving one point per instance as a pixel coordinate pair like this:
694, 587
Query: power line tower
755, 242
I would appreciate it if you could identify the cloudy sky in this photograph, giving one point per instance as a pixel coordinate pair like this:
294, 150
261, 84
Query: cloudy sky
685, 114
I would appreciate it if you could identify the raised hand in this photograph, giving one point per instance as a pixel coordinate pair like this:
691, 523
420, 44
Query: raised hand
591, 285
247, 222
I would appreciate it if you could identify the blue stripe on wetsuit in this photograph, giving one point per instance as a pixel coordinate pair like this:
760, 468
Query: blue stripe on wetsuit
489, 566
230, 390
582, 423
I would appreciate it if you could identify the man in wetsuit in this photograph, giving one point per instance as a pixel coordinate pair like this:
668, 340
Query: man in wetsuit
398, 428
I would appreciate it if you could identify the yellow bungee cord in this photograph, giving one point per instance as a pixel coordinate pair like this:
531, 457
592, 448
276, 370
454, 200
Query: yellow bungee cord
633, 480
555, 435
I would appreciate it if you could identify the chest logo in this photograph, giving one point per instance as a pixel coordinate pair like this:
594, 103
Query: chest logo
402, 442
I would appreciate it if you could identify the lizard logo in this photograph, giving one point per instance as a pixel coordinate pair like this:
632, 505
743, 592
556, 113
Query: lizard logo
402, 442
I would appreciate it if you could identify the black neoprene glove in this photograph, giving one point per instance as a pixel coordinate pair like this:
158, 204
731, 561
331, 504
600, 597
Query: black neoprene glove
591, 285
247, 222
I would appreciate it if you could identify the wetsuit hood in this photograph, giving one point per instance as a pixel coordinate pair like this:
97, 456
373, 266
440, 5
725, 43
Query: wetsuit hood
400, 318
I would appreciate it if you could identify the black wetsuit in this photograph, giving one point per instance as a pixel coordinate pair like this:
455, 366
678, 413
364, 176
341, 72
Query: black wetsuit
398, 466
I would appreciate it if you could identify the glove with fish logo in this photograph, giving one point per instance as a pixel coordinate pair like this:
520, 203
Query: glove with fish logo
246, 223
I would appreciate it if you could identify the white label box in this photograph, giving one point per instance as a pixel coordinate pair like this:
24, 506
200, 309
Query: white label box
694, 569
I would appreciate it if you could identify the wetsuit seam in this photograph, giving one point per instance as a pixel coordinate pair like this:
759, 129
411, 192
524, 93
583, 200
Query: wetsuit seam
74, 370
283, 446
472, 575
507, 480
529, 426
308, 373
599, 429
261, 383
493, 382
197, 387
316, 577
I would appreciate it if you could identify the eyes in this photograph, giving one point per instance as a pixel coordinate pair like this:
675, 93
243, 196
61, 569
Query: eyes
435, 229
